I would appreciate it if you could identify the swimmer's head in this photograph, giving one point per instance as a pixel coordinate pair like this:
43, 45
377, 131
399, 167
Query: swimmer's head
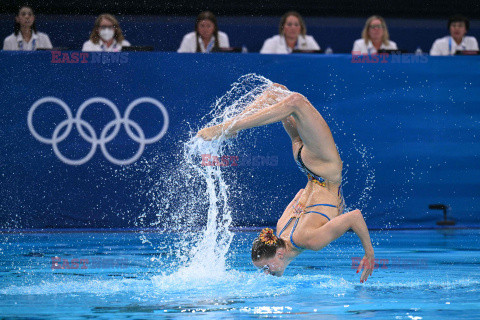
268, 253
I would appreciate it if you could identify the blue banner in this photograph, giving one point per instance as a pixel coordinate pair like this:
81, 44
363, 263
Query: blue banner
88, 137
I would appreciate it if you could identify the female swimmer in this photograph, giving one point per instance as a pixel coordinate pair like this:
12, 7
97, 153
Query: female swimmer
314, 217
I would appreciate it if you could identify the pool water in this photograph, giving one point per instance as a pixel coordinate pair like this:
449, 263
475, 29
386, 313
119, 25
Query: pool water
426, 274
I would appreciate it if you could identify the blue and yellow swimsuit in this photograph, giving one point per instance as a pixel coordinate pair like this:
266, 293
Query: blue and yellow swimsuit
318, 180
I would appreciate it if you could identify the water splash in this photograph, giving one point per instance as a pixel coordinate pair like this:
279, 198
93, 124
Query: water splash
208, 256
199, 194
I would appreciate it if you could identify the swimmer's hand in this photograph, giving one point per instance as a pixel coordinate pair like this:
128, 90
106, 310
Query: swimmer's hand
215, 132
367, 264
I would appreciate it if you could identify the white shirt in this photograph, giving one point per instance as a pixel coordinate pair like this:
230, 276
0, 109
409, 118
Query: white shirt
278, 45
446, 46
359, 47
101, 46
38, 40
189, 43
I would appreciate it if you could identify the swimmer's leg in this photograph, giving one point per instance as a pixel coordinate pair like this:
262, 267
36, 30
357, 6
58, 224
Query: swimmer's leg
310, 125
271, 96
274, 94
290, 127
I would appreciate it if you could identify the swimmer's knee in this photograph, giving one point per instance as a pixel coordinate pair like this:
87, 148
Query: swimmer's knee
278, 85
296, 98
299, 102
357, 212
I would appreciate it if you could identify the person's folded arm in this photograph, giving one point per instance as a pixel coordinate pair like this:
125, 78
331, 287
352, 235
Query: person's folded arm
332, 230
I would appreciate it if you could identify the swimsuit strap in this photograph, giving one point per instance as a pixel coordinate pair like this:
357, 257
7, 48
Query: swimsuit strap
322, 204
341, 206
298, 218
323, 214
286, 225
291, 232
291, 235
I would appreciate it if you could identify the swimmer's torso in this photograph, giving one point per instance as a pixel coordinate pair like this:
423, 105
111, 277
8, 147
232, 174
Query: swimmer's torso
326, 191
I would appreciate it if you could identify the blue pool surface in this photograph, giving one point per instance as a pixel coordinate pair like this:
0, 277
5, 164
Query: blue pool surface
427, 274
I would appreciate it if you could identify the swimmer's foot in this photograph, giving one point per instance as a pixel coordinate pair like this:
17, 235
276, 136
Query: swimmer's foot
215, 132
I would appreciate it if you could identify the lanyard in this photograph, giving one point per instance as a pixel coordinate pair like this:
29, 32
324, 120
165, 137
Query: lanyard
450, 46
102, 46
34, 45
370, 48
290, 50
210, 46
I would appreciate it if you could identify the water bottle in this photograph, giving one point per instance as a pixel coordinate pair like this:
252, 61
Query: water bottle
244, 49
328, 50
418, 52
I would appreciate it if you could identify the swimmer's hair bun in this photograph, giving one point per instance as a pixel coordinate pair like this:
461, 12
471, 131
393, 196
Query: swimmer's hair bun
268, 237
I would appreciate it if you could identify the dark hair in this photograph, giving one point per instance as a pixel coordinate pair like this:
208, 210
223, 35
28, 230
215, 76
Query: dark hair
118, 35
207, 15
283, 20
16, 27
459, 18
266, 244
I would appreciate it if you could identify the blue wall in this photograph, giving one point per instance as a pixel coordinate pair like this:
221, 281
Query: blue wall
408, 132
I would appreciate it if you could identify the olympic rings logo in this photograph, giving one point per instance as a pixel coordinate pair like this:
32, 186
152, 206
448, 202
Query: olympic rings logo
105, 136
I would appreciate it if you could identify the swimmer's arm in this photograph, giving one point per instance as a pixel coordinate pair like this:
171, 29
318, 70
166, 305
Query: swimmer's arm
332, 230
336, 227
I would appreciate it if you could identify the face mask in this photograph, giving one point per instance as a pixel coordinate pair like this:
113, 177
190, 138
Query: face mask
106, 34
